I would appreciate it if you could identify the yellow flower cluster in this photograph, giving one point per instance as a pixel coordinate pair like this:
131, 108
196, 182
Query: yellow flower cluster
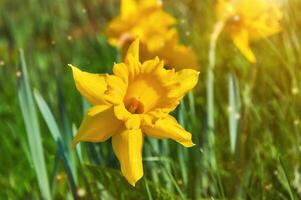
133, 101
249, 20
146, 20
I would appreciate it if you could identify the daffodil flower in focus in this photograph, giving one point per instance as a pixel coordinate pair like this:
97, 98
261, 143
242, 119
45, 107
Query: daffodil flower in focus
133, 102
249, 20
147, 20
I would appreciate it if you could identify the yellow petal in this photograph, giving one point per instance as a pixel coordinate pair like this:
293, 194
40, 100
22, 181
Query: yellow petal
116, 89
98, 125
150, 3
151, 66
173, 53
121, 71
118, 32
183, 81
268, 23
241, 40
132, 60
91, 86
132, 121
134, 50
252, 8
225, 9
127, 146
128, 7
176, 55
167, 128
121, 112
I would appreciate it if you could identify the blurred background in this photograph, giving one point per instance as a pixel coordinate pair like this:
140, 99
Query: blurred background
257, 109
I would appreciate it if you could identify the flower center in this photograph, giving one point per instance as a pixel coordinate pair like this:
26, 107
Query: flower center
134, 106
143, 94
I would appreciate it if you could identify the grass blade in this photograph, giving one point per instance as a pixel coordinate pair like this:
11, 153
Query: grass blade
149, 194
47, 115
234, 107
54, 130
284, 179
32, 129
182, 153
70, 176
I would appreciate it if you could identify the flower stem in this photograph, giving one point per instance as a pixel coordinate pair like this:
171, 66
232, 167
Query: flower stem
210, 93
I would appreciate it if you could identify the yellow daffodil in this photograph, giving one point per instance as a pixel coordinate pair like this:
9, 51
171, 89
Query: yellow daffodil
135, 100
248, 20
147, 20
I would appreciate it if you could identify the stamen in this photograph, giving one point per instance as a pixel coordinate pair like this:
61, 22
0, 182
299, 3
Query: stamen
134, 106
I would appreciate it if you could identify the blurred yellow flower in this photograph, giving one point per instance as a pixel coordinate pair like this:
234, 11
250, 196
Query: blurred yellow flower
248, 20
147, 20
134, 101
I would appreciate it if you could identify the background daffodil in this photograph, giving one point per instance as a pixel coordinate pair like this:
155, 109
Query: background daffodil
133, 101
148, 21
248, 20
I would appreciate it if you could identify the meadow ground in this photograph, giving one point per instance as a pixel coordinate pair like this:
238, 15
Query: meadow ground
256, 153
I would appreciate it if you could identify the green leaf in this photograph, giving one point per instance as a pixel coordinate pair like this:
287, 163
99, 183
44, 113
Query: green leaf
55, 132
284, 178
47, 115
32, 128
234, 108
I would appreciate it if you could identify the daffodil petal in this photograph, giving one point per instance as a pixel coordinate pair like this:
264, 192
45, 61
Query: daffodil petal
133, 50
91, 86
121, 71
267, 24
121, 112
128, 7
132, 60
127, 146
175, 58
99, 124
133, 66
167, 128
132, 121
183, 81
252, 8
97, 109
241, 40
173, 53
116, 89
151, 66
224, 10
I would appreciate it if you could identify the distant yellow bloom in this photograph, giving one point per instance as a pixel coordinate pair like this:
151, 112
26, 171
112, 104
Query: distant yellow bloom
248, 20
134, 101
147, 20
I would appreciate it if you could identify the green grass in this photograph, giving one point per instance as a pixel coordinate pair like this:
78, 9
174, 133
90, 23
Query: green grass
257, 144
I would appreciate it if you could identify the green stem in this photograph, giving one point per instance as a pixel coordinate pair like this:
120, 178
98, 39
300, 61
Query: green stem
210, 92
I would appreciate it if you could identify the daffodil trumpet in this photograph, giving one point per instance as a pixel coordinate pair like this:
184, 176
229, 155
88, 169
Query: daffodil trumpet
133, 102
